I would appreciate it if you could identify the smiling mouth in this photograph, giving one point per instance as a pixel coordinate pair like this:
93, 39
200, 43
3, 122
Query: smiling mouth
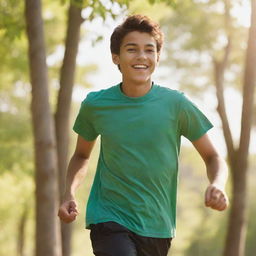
140, 66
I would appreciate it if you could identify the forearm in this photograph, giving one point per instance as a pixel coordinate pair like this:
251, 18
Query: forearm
217, 171
77, 169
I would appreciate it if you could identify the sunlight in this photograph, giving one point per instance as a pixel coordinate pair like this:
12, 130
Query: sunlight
242, 11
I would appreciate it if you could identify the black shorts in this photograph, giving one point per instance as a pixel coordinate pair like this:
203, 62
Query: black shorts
113, 239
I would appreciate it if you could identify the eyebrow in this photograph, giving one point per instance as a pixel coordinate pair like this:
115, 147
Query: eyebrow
133, 44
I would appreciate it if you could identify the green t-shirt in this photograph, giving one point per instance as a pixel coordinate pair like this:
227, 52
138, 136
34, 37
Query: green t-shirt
135, 183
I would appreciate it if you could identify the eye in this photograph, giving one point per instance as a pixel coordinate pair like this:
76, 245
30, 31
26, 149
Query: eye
150, 50
131, 50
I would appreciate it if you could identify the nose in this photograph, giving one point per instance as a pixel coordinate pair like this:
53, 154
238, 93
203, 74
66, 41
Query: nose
141, 55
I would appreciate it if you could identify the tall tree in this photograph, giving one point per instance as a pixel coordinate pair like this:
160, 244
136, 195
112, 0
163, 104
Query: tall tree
194, 33
47, 232
236, 236
62, 115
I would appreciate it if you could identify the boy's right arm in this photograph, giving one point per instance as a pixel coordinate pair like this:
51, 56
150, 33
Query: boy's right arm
77, 168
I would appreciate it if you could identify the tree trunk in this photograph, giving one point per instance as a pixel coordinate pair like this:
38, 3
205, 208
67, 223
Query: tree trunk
63, 109
236, 236
21, 232
47, 231
237, 225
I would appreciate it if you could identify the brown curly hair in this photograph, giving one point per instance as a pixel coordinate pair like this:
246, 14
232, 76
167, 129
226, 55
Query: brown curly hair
139, 23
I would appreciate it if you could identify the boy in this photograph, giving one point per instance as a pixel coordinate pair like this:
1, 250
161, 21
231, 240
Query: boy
132, 205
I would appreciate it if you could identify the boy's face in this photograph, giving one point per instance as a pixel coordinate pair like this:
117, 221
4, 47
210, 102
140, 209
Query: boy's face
138, 57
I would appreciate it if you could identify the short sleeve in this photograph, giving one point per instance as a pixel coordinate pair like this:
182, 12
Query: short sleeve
192, 122
84, 122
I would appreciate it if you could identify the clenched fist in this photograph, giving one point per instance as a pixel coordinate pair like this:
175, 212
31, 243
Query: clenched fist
68, 211
216, 198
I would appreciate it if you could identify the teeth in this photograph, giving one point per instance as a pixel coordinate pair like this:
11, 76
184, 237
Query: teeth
140, 66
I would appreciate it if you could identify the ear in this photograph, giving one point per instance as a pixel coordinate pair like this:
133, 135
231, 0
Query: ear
115, 59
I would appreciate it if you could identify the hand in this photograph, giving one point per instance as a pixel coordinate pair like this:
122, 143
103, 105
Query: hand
68, 211
216, 198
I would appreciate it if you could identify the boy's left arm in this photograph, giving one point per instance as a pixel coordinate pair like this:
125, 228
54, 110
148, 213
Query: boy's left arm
217, 172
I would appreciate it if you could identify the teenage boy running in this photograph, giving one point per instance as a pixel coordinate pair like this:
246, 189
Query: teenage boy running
132, 204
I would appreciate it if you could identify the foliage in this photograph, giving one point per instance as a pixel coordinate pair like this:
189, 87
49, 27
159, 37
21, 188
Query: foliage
103, 8
250, 243
14, 59
16, 191
195, 39
11, 18
157, 10
54, 16
100, 8
15, 136
16, 169
171, 3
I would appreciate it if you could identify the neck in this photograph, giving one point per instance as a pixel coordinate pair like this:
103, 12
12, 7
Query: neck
136, 90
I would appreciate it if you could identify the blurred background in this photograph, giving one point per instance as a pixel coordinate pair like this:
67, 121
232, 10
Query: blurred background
53, 53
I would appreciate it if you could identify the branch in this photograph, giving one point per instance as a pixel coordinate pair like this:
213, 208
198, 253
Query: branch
219, 68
